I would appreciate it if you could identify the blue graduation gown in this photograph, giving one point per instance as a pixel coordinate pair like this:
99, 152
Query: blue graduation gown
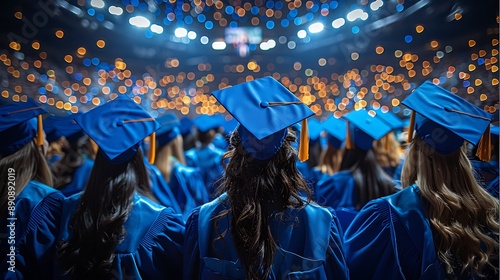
188, 187
208, 160
160, 189
309, 245
391, 238
38, 212
152, 248
337, 191
80, 178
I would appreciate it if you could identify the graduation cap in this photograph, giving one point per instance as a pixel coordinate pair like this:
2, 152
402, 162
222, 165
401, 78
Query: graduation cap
186, 124
229, 125
20, 122
390, 119
118, 127
445, 120
265, 109
205, 123
364, 128
336, 131
56, 127
169, 129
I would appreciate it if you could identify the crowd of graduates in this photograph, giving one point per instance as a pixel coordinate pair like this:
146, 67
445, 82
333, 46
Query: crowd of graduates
270, 194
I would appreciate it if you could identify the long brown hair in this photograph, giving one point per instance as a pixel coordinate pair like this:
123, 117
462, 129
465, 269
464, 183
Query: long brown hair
370, 179
387, 151
330, 160
97, 224
163, 162
28, 164
256, 189
464, 217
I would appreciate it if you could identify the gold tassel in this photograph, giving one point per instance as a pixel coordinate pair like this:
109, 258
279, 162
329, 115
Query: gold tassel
386, 137
484, 146
411, 127
94, 146
40, 139
304, 142
348, 143
152, 148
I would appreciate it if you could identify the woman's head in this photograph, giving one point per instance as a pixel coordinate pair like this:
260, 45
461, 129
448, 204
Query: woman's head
28, 164
97, 226
464, 217
257, 190
279, 173
370, 179
387, 151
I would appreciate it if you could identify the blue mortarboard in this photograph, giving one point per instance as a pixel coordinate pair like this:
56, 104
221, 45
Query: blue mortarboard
265, 109
365, 128
49, 126
118, 127
56, 127
390, 119
169, 129
229, 125
445, 120
186, 124
204, 123
20, 122
336, 131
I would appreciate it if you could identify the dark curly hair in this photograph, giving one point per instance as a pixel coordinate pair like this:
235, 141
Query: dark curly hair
97, 224
256, 191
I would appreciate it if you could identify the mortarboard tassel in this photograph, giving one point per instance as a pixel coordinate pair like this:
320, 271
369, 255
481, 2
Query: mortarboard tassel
411, 127
484, 146
348, 143
304, 142
40, 139
94, 146
152, 148
386, 137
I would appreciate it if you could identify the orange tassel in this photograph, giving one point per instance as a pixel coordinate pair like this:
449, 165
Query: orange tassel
152, 148
411, 127
387, 142
484, 146
348, 143
94, 146
304, 142
40, 139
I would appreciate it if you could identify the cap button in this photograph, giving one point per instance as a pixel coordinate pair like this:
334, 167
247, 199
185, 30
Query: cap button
120, 123
264, 104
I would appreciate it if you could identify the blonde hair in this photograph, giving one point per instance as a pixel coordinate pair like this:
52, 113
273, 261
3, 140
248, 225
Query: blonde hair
387, 151
330, 159
28, 163
163, 162
464, 217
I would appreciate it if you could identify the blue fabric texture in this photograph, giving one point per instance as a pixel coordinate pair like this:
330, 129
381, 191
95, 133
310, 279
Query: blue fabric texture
391, 238
38, 213
153, 246
309, 245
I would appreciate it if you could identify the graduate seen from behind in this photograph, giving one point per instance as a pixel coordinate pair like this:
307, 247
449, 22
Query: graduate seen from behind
30, 208
260, 227
361, 178
112, 229
442, 225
